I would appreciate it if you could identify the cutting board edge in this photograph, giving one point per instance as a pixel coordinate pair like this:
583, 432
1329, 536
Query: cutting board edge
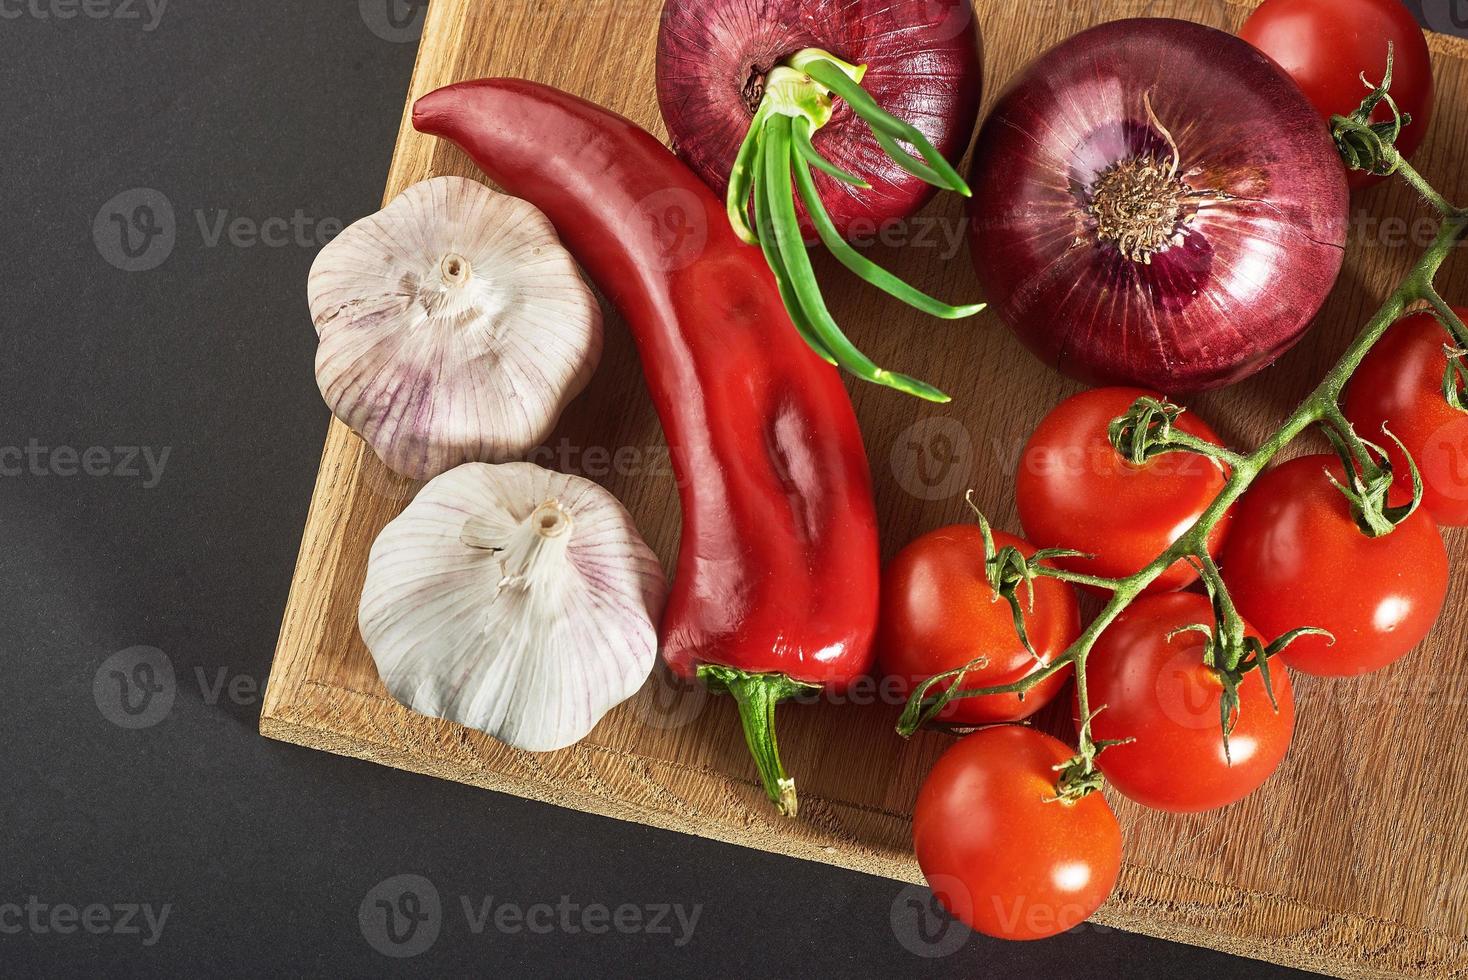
1332, 932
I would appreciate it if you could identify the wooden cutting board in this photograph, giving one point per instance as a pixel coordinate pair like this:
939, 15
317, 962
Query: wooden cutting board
1351, 861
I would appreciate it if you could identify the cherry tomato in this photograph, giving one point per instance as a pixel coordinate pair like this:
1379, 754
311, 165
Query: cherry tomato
939, 613
1296, 558
1326, 45
999, 851
1076, 491
1400, 385
1160, 693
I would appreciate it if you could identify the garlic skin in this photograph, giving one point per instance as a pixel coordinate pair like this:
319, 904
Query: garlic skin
514, 600
453, 327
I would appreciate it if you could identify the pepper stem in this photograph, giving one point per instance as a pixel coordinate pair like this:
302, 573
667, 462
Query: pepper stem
757, 696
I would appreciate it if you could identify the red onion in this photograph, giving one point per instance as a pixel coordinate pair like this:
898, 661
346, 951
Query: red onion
1157, 204
924, 66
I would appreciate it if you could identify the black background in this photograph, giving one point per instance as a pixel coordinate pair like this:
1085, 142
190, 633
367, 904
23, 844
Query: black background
264, 851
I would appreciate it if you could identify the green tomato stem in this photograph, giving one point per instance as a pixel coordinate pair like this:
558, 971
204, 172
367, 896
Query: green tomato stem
1449, 317
1203, 447
1422, 187
1321, 405
1079, 578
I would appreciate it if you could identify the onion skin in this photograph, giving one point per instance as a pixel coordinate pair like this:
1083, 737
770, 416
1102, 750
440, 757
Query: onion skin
925, 65
1251, 272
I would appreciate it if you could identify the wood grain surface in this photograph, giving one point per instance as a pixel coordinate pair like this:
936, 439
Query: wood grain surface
1350, 861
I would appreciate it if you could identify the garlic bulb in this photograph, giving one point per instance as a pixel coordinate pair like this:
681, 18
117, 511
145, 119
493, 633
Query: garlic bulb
453, 327
513, 600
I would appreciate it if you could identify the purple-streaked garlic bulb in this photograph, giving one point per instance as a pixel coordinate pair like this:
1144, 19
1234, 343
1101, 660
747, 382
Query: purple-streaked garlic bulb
453, 327
513, 600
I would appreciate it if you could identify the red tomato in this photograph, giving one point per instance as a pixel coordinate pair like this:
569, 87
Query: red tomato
1326, 45
1296, 558
1160, 693
999, 851
939, 613
1076, 491
1400, 385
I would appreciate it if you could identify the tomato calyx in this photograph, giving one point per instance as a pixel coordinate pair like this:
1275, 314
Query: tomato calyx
1248, 653
1080, 777
1370, 478
1231, 652
1369, 146
920, 711
1008, 568
1148, 430
1455, 379
1452, 323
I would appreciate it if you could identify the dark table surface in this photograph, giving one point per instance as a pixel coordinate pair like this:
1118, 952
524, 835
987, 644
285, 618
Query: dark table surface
161, 430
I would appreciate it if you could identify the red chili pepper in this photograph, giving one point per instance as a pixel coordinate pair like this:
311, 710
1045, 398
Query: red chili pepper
776, 587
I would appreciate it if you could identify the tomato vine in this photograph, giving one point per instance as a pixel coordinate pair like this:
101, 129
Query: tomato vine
1147, 431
